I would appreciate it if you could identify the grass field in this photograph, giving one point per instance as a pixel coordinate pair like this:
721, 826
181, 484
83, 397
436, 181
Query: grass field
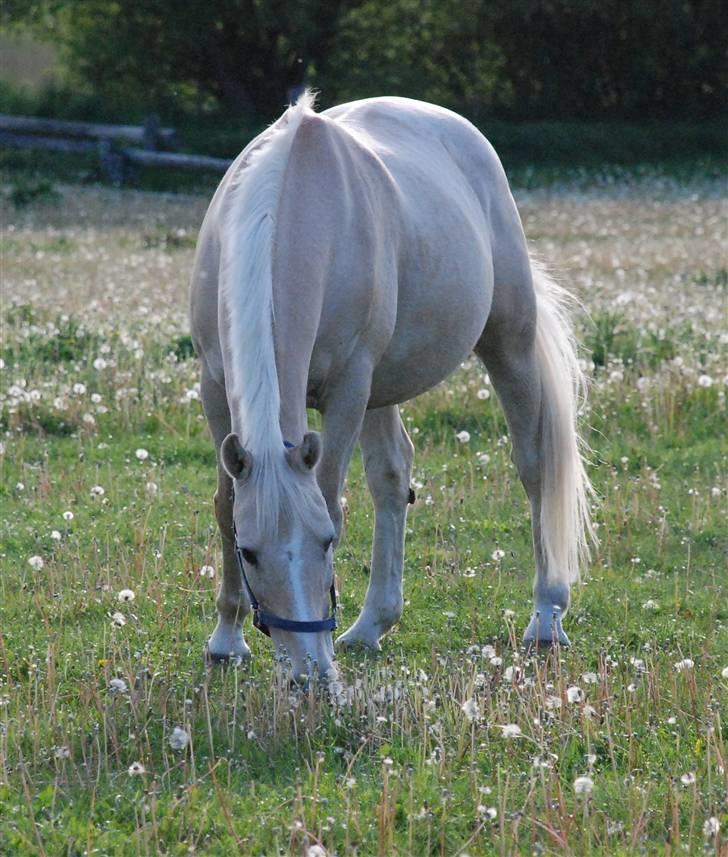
113, 737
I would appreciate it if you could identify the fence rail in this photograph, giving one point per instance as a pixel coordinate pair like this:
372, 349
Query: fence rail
115, 161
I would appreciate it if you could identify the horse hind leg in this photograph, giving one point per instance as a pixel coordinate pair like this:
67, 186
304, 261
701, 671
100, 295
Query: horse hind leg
533, 366
388, 453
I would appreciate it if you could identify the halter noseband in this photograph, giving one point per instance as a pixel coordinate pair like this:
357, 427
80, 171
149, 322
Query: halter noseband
264, 621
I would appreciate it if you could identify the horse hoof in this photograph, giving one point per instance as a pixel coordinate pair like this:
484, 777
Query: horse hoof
356, 640
544, 632
229, 659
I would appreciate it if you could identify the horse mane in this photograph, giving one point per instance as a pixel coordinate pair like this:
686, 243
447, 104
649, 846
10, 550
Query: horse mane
247, 239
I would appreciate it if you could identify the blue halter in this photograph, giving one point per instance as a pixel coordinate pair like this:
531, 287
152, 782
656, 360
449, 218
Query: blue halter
264, 621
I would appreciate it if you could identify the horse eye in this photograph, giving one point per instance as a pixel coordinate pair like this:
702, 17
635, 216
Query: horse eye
251, 557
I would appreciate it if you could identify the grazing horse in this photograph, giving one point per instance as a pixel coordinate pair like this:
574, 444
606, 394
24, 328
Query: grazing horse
349, 261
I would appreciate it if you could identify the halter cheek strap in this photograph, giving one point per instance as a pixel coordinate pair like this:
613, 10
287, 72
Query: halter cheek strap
264, 621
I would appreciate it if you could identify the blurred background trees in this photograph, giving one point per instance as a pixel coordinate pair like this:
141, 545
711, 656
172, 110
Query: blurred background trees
534, 59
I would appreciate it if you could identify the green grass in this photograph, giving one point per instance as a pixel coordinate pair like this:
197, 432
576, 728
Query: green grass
391, 764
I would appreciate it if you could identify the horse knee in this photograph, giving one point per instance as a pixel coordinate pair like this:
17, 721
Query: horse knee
223, 510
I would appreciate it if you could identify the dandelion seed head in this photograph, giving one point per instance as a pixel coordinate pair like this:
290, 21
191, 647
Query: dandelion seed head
179, 738
36, 562
583, 786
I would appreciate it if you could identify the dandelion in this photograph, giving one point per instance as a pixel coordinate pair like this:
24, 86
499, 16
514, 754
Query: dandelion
179, 738
99, 364
498, 554
483, 458
79, 389
489, 812
470, 709
56, 535
136, 769
36, 563
583, 786
650, 604
589, 678
711, 826
126, 595
316, 851
511, 730
685, 664
118, 620
142, 454
724, 672
574, 694
705, 381
97, 491
68, 516
207, 571
688, 779
463, 436
483, 394
118, 685
61, 753
151, 488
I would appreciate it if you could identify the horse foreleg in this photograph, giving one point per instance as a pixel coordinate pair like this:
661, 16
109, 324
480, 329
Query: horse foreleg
227, 641
388, 453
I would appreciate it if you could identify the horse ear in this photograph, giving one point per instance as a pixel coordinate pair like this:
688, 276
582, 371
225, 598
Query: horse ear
236, 460
306, 456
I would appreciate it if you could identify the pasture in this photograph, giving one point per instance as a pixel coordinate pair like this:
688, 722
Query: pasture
114, 739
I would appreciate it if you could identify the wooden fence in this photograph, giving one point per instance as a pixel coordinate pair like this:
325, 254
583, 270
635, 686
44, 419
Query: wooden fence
116, 160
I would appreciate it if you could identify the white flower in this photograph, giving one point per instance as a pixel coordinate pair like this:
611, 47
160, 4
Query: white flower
688, 779
36, 563
583, 785
179, 738
488, 811
142, 454
136, 769
126, 595
685, 664
151, 488
99, 364
79, 389
207, 571
498, 554
470, 709
68, 516
724, 672
97, 491
483, 394
118, 685
463, 436
705, 381
711, 826
483, 458
574, 694
511, 730
118, 620
56, 535
650, 605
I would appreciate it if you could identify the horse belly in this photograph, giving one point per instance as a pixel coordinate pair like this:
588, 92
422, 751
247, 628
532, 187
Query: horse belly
438, 325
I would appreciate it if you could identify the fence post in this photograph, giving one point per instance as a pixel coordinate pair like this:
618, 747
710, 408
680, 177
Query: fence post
150, 137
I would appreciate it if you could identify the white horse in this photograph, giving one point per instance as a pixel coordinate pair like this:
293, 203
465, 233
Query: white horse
349, 261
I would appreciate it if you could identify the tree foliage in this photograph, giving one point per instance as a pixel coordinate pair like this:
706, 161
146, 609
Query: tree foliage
521, 59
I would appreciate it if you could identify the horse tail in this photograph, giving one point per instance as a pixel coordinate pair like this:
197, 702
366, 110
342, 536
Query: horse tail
567, 530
